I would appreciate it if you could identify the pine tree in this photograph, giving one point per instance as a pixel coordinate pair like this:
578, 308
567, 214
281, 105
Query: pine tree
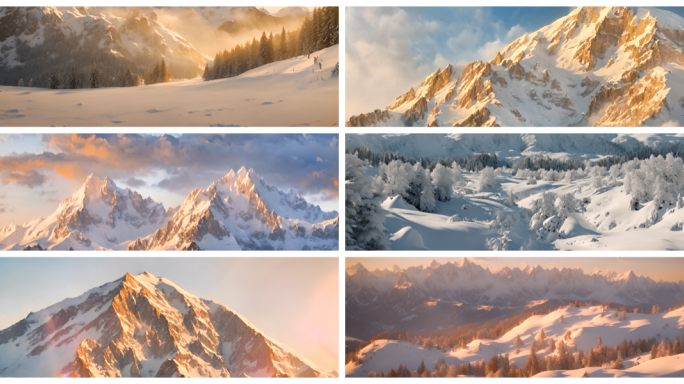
263, 50
20, 83
532, 363
677, 346
53, 81
164, 74
205, 76
72, 81
282, 54
654, 352
128, 80
365, 219
271, 48
95, 77
315, 29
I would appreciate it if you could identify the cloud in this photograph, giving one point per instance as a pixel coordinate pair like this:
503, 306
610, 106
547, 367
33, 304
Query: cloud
29, 179
184, 162
318, 159
134, 182
389, 50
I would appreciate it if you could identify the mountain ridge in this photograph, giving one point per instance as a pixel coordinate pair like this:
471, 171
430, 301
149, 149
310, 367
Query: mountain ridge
145, 326
610, 66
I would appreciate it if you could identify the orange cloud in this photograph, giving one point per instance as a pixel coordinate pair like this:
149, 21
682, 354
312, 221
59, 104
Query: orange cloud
69, 171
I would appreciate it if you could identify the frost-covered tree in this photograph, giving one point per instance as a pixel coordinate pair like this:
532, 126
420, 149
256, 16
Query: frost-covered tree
427, 197
443, 180
365, 218
396, 177
20, 83
614, 174
487, 179
565, 205
510, 200
531, 180
95, 77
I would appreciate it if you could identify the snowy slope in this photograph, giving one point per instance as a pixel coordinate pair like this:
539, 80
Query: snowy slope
241, 212
99, 215
143, 326
669, 366
285, 93
585, 324
600, 66
443, 295
606, 222
483, 219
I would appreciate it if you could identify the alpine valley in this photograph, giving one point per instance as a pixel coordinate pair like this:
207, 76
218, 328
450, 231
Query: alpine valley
240, 211
466, 320
597, 66
144, 326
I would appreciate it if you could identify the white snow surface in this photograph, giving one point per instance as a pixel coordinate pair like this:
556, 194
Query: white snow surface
290, 92
585, 325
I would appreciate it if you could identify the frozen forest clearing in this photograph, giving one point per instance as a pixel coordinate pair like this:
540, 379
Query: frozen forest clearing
515, 192
291, 92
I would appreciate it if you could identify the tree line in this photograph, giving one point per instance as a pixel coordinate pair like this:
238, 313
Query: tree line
559, 353
317, 32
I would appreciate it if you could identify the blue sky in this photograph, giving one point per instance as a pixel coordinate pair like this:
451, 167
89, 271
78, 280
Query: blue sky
38, 171
292, 300
388, 50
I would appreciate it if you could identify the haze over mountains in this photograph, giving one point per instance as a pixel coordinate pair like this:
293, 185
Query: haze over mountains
610, 66
238, 212
144, 326
425, 298
120, 36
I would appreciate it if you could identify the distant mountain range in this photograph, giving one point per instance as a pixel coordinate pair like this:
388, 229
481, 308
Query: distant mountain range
422, 299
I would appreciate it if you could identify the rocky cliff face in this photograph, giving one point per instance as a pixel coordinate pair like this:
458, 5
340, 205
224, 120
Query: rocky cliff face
98, 215
143, 326
601, 66
239, 212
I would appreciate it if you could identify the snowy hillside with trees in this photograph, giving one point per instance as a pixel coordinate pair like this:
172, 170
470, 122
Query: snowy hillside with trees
126, 67
513, 192
460, 319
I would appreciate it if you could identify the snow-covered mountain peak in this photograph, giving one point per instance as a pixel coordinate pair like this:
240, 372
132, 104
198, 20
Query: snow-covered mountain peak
582, 69
143, 326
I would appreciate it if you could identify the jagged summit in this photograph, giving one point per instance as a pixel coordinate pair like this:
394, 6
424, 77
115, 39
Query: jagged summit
143, 326
238, 211
601, 66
